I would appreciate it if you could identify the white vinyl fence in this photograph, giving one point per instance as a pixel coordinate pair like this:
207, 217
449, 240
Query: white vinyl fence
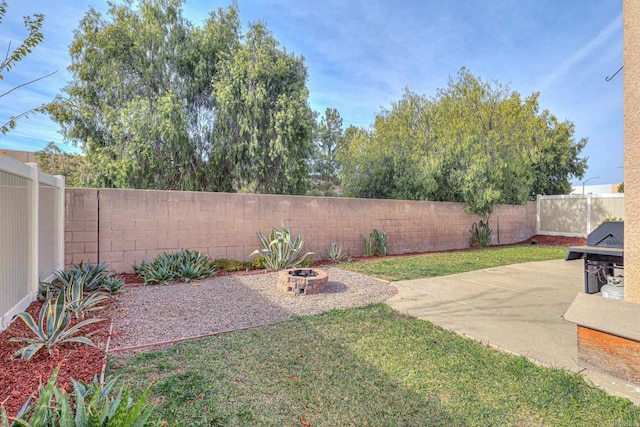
31, 233
576, 214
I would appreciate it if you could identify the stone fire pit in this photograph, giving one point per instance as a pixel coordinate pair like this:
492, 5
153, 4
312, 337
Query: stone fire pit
302, 281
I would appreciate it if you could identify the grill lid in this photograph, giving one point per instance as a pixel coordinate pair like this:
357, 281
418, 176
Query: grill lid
608, 235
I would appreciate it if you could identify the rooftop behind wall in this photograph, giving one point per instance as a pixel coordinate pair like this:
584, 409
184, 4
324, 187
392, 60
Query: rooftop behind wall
123, 227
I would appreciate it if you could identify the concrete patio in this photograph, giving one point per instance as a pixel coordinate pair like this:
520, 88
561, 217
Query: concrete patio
516, 308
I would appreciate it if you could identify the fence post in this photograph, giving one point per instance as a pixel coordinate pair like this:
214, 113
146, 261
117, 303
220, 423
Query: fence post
588, 213
61, 221
538, 201
34, 275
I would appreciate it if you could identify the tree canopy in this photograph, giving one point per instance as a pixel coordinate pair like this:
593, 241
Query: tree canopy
156, 102
473, 142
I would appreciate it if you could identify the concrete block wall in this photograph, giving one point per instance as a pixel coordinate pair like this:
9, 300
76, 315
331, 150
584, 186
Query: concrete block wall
123, 227
81, 225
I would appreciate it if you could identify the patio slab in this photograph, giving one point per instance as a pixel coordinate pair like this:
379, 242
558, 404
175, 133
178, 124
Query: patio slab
517, 308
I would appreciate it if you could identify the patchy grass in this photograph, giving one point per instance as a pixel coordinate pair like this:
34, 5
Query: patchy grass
366, 367
444, 263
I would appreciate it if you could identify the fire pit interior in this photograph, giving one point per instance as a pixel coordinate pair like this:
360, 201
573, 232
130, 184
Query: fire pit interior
302, 281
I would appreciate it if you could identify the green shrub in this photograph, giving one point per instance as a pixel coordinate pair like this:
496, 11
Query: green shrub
279, 251
258, 263
52, 328
91, 405
480, 234
306, 263
376, 244
184, 266
231, 265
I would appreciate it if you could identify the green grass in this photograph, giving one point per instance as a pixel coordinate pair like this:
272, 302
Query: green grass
444, 263
362, 367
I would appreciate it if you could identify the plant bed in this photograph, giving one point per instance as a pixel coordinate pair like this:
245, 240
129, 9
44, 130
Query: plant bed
19, 378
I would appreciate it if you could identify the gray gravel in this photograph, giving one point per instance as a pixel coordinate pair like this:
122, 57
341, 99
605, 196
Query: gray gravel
157, 313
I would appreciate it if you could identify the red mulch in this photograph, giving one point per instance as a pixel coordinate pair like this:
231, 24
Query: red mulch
19, 379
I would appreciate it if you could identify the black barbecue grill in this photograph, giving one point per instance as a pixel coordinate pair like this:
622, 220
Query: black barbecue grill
603, 254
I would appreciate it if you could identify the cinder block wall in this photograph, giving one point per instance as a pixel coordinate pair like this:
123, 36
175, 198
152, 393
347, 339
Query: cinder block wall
123, 227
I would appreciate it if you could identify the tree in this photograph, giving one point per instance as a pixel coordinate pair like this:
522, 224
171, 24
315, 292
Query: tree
73, 167
33, 24
143, 108
328, 136
473, 142
263, 116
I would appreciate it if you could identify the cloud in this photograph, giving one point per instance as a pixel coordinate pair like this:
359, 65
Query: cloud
614, 27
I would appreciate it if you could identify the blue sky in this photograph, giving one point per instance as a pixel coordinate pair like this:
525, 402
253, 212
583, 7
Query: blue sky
362, 54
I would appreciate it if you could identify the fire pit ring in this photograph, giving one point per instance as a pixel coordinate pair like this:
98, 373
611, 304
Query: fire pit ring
302, 281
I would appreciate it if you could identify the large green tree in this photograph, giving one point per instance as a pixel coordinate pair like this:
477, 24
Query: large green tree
263, 117
149, 101
473, 142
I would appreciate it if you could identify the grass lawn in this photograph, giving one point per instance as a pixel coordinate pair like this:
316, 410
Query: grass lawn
362, 367
444, 263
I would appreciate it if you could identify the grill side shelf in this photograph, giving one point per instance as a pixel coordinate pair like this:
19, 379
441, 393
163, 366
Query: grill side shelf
578, 252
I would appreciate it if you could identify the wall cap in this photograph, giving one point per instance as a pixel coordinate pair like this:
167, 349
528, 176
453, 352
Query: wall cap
607, 315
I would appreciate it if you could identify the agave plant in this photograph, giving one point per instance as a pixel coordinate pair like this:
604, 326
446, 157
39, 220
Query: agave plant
94, 277
77, 301
93, 405
113, 284
91, 275
184, 265
279, 251
38, 414
334, 252
52, 328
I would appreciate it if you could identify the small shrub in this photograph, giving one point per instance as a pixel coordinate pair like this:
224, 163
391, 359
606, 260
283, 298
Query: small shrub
52, 328
222, 264
231, 265
182, 266
279, 251
306, 263
258, 263
480, 234
376, 244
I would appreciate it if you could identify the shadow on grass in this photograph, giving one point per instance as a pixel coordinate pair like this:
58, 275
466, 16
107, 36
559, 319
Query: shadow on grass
369, 366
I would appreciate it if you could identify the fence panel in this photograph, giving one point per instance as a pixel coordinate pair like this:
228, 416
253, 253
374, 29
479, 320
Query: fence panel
51, 224
31, 233
576, 214
15, 205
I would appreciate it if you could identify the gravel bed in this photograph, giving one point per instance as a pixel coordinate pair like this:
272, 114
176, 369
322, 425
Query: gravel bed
152, 314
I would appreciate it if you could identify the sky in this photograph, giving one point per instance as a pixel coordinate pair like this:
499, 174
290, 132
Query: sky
361, 55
